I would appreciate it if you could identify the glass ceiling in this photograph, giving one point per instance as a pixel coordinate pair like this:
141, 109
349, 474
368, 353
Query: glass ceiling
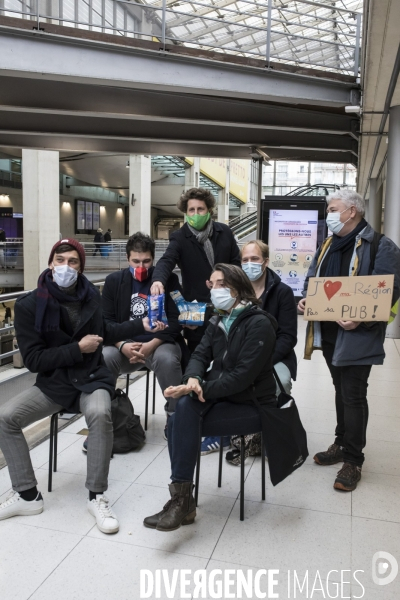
306, 33
300, 32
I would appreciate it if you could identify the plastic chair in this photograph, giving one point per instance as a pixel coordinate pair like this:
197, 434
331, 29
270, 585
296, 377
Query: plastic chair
242, 461
147, 393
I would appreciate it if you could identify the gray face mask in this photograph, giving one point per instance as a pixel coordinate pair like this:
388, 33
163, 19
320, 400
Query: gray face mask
64, 276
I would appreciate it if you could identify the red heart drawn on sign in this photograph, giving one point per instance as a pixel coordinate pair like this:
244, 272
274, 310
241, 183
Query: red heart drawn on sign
331, 288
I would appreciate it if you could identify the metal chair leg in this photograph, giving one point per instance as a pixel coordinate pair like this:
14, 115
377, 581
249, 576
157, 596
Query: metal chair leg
262, 469
55, 441
50, 482
196, 485
147, 399
127, 384
154, 393
221, 454
242, 477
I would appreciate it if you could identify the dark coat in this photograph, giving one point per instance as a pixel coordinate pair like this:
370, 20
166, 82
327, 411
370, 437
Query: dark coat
185, 251
365, 344
242, 360
116, 297
280, 303
63, 371
98, 237
107, 236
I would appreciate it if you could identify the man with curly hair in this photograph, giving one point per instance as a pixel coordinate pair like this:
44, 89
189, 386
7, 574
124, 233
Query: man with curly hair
196, 248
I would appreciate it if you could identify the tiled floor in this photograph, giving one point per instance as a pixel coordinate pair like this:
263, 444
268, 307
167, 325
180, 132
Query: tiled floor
303, 526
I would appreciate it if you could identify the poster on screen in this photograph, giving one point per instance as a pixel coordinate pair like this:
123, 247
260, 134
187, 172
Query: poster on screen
366, 298
292, 241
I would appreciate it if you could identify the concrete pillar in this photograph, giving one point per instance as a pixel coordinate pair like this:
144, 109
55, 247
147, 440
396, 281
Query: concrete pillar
223, 198
41, 209
140, 194
374, 216
260, 195
192, 175
392, 205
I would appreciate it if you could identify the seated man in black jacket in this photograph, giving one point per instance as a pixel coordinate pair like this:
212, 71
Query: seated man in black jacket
125, 299
231, 366
60, 331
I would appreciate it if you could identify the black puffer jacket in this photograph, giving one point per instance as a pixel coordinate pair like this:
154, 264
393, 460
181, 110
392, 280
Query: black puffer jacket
241, 360
63, 371
280, 303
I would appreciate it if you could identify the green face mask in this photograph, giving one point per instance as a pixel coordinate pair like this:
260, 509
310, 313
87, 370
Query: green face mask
198, 221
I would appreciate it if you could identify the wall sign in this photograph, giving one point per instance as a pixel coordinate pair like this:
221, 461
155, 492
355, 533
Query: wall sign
87, 216
6, 211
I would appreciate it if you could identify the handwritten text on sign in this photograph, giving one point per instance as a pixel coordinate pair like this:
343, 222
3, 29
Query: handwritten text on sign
349, 298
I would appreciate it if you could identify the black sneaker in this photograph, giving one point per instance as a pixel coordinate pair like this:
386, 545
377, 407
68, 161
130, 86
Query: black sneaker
84, 447
333, 455
348, 477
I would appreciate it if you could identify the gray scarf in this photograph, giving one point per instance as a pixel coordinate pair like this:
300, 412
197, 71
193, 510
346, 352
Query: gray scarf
203, 237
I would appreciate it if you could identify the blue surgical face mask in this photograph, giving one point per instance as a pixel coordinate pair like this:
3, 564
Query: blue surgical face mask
334, 223
253, 270
222, 299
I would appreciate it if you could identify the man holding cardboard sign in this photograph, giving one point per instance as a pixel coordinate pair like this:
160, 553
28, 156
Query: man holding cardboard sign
361, 299
353, 280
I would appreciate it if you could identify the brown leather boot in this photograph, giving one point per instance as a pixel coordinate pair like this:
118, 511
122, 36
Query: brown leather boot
152, 521
181, 509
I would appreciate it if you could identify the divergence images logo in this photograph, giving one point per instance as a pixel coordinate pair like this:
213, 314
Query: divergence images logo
384, 568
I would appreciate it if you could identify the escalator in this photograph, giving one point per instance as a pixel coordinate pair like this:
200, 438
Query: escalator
245, 225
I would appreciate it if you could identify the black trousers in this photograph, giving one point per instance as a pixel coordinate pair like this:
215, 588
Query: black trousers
351, 385
193, 419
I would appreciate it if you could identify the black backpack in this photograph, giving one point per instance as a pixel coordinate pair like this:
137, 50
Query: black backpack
128, 432
374, 250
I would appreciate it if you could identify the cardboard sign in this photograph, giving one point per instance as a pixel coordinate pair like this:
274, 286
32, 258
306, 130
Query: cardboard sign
349, 298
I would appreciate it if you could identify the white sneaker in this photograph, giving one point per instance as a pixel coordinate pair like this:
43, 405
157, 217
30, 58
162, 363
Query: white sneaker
15, 506
106, 519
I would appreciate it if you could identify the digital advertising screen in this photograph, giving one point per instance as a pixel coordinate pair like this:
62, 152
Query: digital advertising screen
292, 244
293, 230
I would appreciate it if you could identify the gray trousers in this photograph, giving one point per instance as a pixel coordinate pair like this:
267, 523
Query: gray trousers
32, 405
165, 362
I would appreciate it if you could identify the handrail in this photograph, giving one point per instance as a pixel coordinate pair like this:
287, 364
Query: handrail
327, 39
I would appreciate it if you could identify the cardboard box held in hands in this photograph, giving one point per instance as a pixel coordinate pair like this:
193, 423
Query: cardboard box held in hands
366, 298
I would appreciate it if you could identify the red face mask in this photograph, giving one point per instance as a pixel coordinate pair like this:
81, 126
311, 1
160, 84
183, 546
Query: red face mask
139, 273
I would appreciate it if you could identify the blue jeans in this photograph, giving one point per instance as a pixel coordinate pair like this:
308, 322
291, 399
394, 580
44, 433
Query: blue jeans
351, 385
193, 419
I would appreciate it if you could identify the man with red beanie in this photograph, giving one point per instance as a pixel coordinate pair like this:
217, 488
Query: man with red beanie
60, 331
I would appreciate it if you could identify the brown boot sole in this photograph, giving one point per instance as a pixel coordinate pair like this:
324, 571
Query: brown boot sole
189, 520
328, 464
155, 526
343, 488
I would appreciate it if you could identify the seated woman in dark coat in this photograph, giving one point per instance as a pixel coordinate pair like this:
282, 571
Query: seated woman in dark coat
238, 345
